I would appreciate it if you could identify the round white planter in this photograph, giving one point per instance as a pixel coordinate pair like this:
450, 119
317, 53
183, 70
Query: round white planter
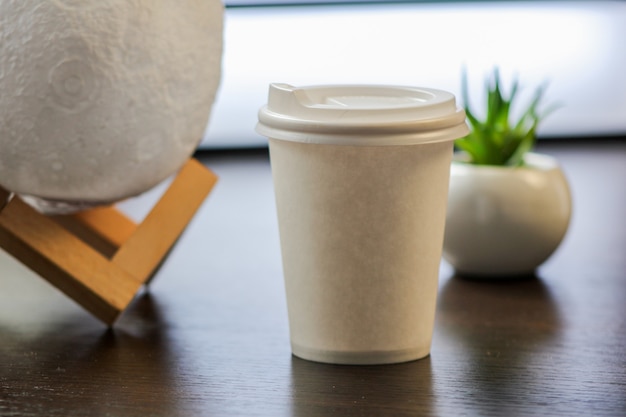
505, 221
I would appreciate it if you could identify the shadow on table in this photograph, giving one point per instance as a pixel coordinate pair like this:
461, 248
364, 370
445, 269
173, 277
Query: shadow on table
497, 333
77, 368
375, 390
479, 310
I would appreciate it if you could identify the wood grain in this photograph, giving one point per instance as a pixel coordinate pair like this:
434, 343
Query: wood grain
66, 261
143, 251
107, 222
210, 338
72, 252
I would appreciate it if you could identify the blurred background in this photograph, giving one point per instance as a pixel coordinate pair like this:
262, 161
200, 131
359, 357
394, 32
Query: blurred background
578, 47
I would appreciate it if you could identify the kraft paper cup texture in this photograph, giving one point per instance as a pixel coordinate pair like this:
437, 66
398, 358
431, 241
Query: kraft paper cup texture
361, 232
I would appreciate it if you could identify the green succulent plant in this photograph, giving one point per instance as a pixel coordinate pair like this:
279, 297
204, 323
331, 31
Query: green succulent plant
498, 140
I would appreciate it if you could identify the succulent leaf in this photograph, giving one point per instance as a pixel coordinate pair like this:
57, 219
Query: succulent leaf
496, 140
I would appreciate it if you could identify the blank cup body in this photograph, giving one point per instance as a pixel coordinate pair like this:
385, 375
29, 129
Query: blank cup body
361, 231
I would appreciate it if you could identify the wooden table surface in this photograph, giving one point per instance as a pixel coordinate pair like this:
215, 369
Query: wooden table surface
210, 336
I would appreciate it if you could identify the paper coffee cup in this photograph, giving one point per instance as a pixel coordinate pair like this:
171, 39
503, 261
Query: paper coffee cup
361, 181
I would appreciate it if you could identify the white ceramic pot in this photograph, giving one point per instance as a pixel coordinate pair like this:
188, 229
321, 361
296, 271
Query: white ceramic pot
505, 221
103, 99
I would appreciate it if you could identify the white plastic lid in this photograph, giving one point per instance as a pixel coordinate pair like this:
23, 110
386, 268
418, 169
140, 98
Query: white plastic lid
361, 115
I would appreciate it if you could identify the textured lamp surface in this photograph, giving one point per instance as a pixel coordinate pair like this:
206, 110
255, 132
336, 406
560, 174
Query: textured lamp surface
103, 99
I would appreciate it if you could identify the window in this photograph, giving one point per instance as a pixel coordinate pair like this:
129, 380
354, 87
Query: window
576, 46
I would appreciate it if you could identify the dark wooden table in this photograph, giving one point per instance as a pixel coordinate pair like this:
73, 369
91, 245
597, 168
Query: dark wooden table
210, 337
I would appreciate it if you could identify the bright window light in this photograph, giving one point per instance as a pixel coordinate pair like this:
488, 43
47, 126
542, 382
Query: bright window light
575, 46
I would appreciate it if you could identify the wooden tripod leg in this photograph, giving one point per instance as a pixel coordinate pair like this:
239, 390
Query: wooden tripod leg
65, 261
108, 223
103, 228
142, 248
146, 248
102, 284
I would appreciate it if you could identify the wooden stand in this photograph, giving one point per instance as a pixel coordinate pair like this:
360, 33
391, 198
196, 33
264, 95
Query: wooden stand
99, 257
